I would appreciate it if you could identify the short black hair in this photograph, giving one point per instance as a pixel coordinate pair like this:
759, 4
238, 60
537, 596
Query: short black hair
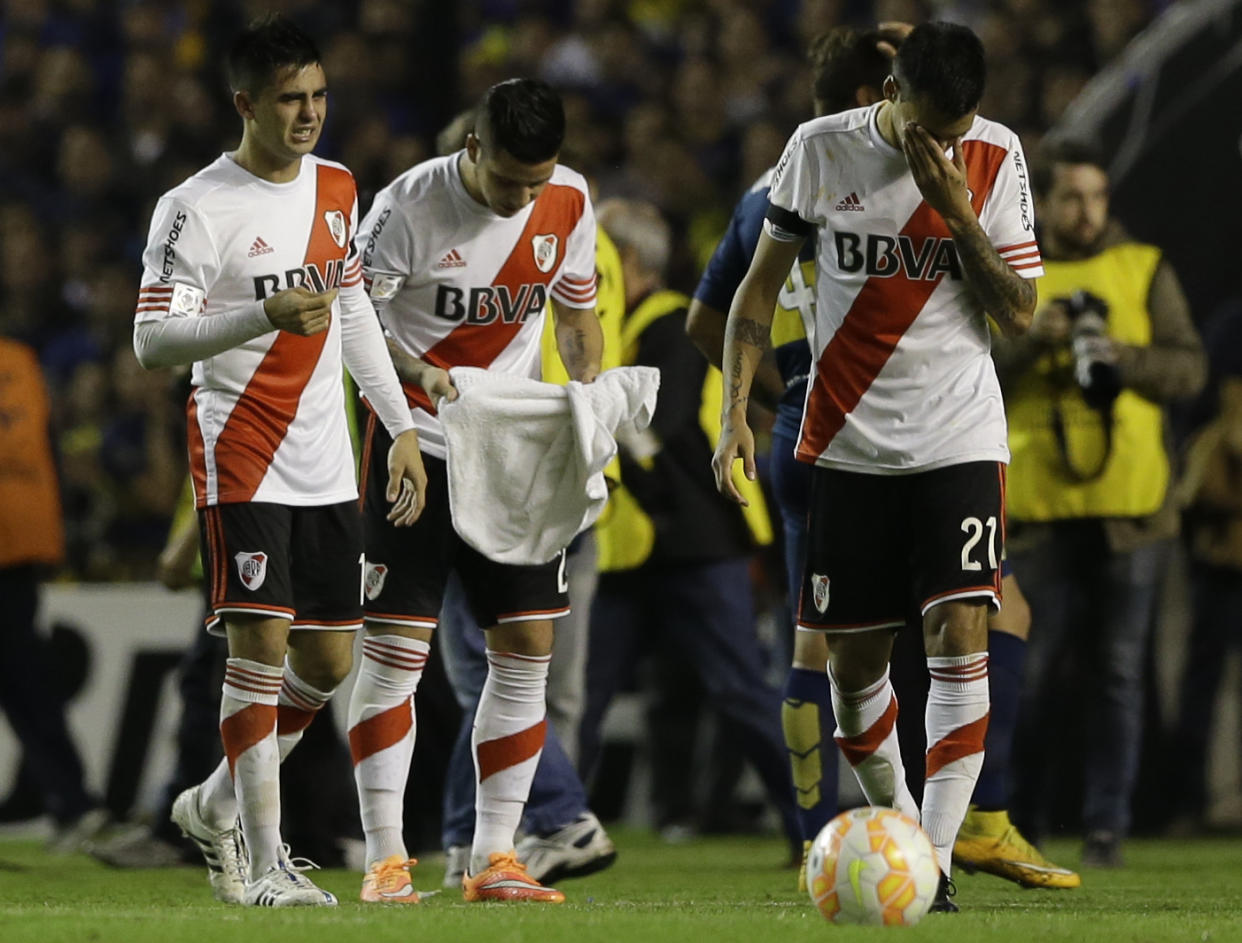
844, 59
944, 63
267, 46
524, 117
1057, 151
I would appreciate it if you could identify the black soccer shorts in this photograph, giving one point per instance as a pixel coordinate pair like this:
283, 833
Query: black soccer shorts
303, 564
407, 568
879, 544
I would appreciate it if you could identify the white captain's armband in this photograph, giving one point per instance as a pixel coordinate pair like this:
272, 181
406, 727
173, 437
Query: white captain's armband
187, 300
384, 287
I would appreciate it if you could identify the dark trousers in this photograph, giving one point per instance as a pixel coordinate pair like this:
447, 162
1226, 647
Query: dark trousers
707, 611
31, 700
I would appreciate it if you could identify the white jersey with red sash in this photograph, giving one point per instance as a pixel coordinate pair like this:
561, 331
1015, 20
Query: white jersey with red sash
458, 285
266, 419
903, 378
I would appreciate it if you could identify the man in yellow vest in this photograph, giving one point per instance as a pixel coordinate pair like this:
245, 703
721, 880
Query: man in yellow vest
673, 557
1111, 344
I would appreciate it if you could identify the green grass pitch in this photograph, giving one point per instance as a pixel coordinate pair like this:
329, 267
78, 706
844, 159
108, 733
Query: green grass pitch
706, 891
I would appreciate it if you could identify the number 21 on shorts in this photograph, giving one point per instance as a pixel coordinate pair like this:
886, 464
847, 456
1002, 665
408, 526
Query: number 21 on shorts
974, 529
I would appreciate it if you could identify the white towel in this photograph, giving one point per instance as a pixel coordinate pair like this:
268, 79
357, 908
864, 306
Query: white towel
526, 459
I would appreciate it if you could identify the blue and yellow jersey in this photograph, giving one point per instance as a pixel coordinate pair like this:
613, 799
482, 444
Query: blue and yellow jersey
795, 308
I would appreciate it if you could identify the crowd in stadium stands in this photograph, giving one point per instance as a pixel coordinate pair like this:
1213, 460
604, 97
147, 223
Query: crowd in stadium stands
105, 105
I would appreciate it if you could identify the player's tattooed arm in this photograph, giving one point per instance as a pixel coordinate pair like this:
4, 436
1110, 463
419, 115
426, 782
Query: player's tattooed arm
579, 339
743, 331
1005, 295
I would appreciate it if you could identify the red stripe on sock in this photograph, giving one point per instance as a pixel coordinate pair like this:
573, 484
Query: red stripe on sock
958, 743
504, 752
380, 731
290, 719
243, 729
857, 748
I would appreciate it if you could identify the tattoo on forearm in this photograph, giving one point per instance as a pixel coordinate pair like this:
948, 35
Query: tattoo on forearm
1003, 293
751, 332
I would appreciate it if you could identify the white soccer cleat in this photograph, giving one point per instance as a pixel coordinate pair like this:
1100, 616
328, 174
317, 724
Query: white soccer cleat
284, 885
222, 849
580, 848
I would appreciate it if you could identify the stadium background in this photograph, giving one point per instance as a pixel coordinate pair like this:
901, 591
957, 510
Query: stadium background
105, 105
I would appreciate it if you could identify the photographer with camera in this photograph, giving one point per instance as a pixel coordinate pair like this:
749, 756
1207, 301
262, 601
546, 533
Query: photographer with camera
1110, 346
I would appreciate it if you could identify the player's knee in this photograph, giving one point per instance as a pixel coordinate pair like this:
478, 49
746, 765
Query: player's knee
956, 628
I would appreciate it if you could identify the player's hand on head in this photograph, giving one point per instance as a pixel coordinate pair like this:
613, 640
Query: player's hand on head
941, 179
736, 441
300, 310
438, 385
407, 480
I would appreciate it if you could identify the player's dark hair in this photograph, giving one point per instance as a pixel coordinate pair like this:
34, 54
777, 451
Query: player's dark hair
523, 117
1053, 152
843, 59
269, 45
944, 63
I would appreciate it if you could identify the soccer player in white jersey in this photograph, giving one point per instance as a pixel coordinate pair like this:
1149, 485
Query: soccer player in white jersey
923, 217
462, 255
252, 274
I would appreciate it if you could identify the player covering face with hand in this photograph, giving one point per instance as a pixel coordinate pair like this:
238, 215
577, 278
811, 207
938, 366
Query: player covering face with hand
921, 212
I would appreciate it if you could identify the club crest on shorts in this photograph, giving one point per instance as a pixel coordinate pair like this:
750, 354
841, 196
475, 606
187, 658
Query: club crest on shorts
819, 592
545, 251
336, 226
252, 569
373, 582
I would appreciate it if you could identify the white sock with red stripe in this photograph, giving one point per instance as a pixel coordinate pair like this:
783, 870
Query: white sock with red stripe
957, 721
298, 705
382, 729
248, 732
867, 735
509, 729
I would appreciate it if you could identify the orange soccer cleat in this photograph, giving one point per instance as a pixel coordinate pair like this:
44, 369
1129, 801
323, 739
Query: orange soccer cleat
505, 878
388, 882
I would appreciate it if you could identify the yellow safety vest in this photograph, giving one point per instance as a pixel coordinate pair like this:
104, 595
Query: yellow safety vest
1133, 481
624, 532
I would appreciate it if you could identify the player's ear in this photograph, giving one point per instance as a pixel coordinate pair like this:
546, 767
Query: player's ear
473, 147
890, 89
243, 104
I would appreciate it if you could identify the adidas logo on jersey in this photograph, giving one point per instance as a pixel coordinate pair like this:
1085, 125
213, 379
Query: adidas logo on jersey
851, 204
452, 260
259, 247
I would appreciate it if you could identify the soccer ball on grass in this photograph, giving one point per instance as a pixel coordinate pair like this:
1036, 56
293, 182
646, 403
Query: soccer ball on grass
872, 866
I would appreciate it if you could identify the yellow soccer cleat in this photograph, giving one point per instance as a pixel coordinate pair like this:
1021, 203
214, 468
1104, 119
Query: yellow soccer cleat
505, 878
989, 842
806, 850
388, 882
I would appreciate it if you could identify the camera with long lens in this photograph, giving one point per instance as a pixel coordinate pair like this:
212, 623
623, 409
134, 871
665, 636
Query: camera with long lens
1097, 375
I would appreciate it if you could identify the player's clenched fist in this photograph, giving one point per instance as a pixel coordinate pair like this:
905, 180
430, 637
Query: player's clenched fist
300, 310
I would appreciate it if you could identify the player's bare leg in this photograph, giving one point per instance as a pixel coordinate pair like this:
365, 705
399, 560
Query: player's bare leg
508, 738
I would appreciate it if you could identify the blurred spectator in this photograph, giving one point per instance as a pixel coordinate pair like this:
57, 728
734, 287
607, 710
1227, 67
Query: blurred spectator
32, 543
1212, 492
1111, 345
